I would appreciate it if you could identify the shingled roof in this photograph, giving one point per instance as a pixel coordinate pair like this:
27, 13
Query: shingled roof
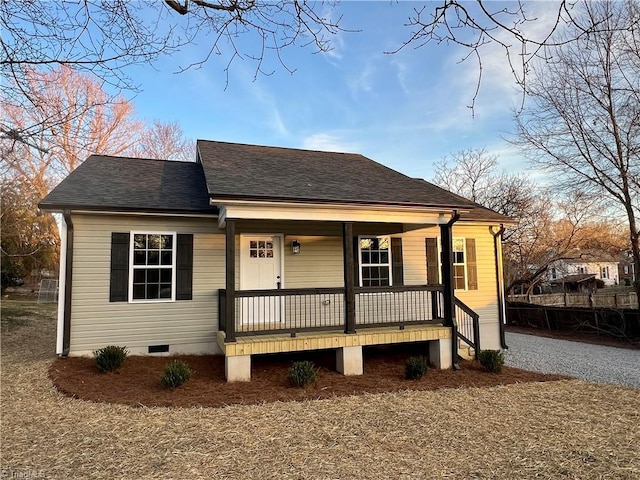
253, 172
227, 171
132, 184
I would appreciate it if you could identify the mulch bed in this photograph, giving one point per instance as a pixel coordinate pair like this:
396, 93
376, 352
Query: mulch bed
137, 382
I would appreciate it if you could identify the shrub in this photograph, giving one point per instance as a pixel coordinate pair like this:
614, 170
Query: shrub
110, 357
175, 373
491, 360
302, 374
415, 367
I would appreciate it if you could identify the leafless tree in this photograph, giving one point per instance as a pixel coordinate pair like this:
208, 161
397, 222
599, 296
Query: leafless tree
104, 38
76, 117
165, 141
548, 228
581, 122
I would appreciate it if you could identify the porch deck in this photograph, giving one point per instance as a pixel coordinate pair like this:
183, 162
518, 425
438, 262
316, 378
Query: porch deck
317, 340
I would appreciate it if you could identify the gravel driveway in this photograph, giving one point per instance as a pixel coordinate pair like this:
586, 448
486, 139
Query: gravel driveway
594, 363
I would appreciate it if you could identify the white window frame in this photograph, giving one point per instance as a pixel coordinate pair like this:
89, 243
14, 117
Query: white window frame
466, 269
133, 267
361, 265
604, 271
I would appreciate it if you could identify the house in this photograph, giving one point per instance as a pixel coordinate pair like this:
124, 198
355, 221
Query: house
253, 249
626, 270
583, 265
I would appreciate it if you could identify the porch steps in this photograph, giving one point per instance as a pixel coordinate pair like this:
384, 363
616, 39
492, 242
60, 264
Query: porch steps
466, 352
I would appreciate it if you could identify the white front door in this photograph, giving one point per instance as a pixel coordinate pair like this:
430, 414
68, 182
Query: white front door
261, 269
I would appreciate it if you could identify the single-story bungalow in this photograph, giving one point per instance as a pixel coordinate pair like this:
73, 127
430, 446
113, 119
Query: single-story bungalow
254, 249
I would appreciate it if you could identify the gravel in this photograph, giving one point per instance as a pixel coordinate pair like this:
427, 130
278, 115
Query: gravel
594, 363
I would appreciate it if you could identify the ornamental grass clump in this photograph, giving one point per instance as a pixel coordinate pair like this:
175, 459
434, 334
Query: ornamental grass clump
303, 373
415, 368
491, 360
110, 357
175, 373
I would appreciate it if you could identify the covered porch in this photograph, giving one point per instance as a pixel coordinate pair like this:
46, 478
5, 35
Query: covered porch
346, 317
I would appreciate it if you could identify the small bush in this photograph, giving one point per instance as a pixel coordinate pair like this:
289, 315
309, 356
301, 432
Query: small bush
302, 374
415, 368
175, 373
110, 357
491, 360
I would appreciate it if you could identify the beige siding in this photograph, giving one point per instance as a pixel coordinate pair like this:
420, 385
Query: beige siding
187, 326
483, 300
192, 325
319, 264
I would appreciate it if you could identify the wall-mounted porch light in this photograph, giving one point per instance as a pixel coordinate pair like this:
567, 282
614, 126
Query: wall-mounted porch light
295, 247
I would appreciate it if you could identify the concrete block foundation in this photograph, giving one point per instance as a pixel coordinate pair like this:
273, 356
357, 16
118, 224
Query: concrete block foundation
349, 360
237, 368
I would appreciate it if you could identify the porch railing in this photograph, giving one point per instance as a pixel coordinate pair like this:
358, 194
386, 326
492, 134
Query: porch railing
468, 325
261, 312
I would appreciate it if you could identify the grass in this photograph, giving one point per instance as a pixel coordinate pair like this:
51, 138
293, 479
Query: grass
565, 429
19, 311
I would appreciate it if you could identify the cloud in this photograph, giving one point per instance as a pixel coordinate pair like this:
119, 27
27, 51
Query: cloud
328, 142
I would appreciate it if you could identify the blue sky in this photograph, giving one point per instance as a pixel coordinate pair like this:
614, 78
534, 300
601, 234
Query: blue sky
405, 110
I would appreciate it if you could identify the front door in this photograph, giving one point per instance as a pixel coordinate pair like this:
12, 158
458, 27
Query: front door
261, 269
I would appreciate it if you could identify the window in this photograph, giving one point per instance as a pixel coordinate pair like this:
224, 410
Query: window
153, 258
375, 261
581, 269
604, 272
151, 266
626, 269
459, 268
554, 274
465, 268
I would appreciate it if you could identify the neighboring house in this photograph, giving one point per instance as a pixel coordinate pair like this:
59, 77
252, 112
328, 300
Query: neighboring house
254, 249
626, 271
585, 264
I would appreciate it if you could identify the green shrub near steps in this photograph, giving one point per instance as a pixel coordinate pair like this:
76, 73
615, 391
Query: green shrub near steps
491, 360
175, 373
110, 357
415, 367
302, 373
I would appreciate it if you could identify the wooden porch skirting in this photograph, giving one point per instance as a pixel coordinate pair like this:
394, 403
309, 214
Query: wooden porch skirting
280, 343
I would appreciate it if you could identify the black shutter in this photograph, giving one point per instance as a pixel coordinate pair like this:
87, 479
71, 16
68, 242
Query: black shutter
119, 281
431, 245
397, 270
184, 267
472, 266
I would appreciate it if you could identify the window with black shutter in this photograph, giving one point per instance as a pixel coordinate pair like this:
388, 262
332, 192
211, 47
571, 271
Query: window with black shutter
151, 266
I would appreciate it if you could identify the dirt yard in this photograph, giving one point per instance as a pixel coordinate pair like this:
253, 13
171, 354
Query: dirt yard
557, 429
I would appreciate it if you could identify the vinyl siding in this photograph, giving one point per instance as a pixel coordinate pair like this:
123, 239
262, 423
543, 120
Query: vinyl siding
192, 325
187, 326
483, 300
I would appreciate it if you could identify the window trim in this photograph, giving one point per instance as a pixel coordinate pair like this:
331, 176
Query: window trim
132, 268
389, 264
466, 269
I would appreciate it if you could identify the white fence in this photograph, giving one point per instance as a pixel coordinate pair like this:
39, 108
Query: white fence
580, 300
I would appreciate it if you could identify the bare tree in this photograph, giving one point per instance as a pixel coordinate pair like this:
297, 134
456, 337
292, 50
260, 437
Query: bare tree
581, 122
165, 141
77, 119
104, 38
547, 230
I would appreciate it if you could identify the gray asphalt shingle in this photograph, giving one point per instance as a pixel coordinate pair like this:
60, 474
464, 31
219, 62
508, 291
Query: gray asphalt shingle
249, 172
119, 183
